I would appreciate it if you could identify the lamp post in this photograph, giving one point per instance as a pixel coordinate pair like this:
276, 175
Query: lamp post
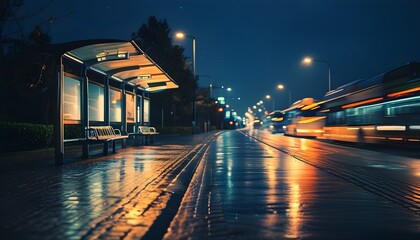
308, 60
281, 87
228, 92
181, 35
268, 97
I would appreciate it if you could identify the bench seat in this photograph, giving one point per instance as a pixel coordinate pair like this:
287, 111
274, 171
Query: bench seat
104, 134
147, 132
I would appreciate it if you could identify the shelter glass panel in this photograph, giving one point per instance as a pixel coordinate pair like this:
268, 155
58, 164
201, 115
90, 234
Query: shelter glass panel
139, 109
96, 103
72, 99
114, 105
130, 108
146, 106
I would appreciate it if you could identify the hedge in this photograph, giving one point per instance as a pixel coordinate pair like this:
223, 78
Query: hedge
24, 136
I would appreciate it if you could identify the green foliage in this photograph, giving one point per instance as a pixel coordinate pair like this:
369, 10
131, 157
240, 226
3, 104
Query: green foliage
24, 136
73, 131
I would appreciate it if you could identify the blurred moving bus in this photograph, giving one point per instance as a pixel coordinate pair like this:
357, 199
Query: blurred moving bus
380, 109
303, 119
276, 121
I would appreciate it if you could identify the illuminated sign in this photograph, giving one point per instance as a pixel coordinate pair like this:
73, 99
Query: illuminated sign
221, 100
227, 114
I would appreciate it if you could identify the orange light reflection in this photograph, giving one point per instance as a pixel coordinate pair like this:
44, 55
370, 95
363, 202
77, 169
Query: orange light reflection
301, 181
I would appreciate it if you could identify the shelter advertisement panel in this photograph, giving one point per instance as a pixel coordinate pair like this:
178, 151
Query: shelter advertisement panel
115, 105
96, 103
72, 99
146, 110
130, 108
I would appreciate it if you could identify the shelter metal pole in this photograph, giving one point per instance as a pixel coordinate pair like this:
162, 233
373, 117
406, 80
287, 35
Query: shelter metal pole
142, 107
123, 108
85, 109
59, 123
194, 121
124, 113
137, 113
106, 101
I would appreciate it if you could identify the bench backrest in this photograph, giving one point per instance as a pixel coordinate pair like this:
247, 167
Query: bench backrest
102, 132
144, 129
147, 130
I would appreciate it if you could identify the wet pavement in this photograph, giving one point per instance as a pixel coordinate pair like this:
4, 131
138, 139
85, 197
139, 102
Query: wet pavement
111, 197
232, 184
256, 185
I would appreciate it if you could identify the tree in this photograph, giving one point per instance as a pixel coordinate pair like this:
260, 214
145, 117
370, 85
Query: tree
154, 39
26, 74
26, 79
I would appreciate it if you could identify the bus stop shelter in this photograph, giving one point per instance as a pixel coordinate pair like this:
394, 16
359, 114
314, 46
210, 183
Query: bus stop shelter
103, 82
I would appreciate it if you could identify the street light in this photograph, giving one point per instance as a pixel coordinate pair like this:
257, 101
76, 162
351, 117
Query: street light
211, 83
181, 35
229, 89
281, 87
308, 60
268, 97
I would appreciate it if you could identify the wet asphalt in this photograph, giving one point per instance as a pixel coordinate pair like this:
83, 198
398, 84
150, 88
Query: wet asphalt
255, 185
226, 185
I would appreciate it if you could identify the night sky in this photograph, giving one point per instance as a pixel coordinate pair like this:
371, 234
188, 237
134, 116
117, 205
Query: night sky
253, 45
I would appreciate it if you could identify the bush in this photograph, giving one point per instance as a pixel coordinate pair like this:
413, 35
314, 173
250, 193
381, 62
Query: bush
73, 131
24, 136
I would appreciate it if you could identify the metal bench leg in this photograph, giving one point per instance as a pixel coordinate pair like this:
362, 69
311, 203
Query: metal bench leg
85, 150
105, 148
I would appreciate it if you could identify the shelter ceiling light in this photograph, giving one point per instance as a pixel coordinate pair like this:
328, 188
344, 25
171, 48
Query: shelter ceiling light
144, 76
73, 58
112, 55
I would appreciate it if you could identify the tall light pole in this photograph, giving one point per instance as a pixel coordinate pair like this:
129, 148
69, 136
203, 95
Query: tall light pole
281, 87
268, 97
229, 89
181, 35
308, 60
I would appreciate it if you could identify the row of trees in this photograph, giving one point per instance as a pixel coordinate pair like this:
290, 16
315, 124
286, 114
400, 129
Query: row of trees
27, 74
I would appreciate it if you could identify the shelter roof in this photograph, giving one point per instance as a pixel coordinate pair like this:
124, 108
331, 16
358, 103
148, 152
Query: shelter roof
121, 60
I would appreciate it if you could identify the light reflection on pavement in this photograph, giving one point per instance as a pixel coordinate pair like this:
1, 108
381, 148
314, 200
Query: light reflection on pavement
294, 188
246, 185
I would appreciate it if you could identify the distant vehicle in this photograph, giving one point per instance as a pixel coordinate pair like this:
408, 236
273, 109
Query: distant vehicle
257, 124
385, 108
276, 121
303, 119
